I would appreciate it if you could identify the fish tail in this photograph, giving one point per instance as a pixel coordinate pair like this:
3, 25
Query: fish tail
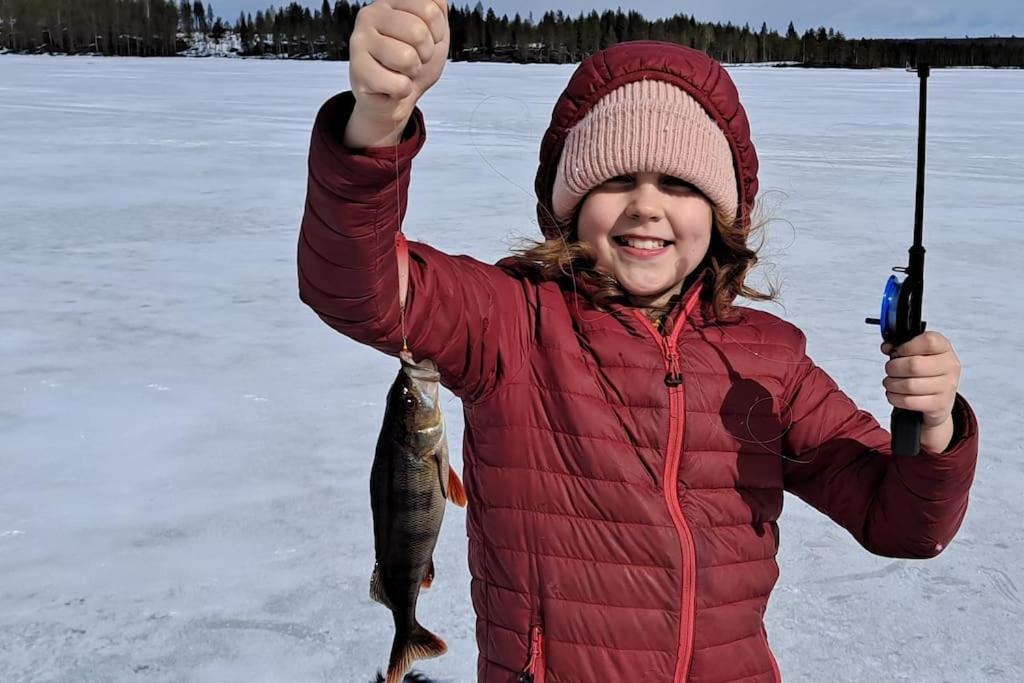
421, 644
456, 491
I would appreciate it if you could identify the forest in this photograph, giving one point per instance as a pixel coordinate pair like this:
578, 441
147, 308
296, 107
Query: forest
150, 28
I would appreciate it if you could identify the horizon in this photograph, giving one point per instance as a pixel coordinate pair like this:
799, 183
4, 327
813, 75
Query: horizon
870, 19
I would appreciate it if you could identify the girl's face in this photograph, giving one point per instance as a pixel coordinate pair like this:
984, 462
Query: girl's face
649, 231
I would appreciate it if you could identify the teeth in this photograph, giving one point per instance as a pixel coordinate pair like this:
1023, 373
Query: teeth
645, 243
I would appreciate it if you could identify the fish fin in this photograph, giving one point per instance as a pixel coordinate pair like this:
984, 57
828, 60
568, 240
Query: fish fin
441, 455
441, 479
428, 578
377, 588
422, 644
456, 491
411, 677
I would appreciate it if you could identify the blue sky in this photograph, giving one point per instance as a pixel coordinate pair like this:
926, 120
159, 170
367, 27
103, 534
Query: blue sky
871, 18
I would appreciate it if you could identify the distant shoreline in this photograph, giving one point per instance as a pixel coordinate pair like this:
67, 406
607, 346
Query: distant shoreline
165, 28
268, 58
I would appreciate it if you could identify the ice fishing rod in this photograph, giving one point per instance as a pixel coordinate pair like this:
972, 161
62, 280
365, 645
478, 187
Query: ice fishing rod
900, 319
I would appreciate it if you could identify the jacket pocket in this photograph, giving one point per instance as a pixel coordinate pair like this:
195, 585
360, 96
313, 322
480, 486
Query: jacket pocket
534, 670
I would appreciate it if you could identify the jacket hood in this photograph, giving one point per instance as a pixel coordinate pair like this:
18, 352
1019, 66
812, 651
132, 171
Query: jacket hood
696, 73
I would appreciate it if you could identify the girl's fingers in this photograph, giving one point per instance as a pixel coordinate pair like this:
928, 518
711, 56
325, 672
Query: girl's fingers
377, 79
924, 344
433, 13
919, 366
918, 386
396, 56
412, 31
936, 409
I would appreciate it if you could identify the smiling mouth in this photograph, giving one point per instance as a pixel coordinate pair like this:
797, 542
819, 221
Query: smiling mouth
641, 243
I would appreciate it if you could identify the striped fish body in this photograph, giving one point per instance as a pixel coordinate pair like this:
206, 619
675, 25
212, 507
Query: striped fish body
409, 483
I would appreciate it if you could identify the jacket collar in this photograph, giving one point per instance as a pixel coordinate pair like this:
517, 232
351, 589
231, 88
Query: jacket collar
699, 314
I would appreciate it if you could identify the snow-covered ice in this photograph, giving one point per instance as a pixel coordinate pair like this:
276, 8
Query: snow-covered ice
185, 447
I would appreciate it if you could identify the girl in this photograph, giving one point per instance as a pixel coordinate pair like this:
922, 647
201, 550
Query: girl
629, 430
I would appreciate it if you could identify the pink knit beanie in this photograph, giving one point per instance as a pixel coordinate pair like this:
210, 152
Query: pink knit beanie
645, 126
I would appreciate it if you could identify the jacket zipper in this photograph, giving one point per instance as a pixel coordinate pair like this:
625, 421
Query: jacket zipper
534, 671
676, 402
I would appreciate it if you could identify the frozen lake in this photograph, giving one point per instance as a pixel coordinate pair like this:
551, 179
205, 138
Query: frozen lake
185, 447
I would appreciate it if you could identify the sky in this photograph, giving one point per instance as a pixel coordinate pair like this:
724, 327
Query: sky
867, 18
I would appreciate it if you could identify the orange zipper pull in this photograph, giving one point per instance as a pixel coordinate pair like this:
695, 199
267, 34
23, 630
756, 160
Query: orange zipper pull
527, 675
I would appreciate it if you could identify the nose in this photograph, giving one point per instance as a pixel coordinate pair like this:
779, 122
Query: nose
645, 203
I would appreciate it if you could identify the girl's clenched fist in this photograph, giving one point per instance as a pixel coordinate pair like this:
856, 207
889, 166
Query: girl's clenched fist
397, 51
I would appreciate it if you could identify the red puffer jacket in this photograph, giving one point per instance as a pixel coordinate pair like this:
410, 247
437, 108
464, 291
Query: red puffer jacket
624, 485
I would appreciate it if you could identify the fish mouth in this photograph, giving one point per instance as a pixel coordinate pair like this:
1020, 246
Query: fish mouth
423, 373
424, 370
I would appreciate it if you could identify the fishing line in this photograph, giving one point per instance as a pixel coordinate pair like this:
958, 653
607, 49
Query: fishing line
754, 439
786, 410
398, 210
562, 237
533, 197
572, 270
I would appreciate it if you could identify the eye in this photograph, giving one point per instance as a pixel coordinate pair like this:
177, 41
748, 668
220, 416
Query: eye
678, 182
619, 179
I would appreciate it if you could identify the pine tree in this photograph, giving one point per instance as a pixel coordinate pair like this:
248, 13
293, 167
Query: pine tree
490, 23
243, 30
186, 17
621, 25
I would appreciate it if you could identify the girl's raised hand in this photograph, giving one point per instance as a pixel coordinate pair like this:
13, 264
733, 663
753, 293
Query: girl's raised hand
397, 51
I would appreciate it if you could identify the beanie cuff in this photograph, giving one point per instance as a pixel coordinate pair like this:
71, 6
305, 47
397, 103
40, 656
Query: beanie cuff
646, 126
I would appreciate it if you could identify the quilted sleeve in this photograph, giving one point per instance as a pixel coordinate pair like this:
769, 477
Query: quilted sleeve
839, 460
468, 317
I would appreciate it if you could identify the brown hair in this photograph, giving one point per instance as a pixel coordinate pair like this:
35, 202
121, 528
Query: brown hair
728, 259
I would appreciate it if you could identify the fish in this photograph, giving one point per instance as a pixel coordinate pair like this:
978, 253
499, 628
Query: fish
412, 677
410, 482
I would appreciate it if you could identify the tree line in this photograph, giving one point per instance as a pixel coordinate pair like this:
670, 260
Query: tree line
166, 27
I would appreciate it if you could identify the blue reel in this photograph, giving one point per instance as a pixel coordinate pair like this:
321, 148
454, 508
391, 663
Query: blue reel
896, 319
887, 322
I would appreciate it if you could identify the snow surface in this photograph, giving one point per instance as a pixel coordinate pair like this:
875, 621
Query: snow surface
185, 447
